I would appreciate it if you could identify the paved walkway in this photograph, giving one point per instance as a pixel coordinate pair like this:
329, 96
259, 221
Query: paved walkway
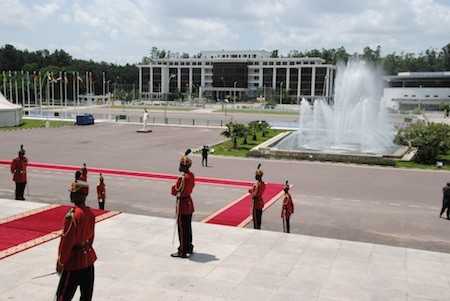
230, 264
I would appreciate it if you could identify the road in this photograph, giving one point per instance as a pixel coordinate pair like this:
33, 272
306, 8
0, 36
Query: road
378, 204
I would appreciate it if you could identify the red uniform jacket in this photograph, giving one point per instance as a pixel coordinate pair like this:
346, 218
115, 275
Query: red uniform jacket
83, 176
183, 188
19, 169
101, 191
257, 192
75, 248
288, 206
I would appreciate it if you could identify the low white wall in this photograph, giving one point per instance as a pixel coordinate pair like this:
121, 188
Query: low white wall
10, 117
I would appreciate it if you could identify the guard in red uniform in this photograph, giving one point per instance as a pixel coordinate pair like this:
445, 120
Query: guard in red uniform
84, 173
101, 193
83, 178
19, 171
185, 206
76, 256
287, 209
257, 200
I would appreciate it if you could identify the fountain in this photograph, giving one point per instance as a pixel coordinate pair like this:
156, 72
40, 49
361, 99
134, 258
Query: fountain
357, 124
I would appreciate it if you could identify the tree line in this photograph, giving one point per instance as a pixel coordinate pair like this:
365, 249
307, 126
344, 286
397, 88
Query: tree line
44, 61
12, 58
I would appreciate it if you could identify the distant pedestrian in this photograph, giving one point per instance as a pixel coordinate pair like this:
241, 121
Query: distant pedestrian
19, 171
205, 151
287, 209
446, 200
256, 193
101, 193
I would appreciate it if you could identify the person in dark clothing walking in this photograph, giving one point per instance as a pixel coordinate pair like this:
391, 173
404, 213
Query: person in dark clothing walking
205, 151
446, 200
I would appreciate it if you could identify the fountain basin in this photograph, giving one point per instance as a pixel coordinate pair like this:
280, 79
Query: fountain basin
271, 149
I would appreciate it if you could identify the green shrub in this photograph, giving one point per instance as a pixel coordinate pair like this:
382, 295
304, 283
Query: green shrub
431, 140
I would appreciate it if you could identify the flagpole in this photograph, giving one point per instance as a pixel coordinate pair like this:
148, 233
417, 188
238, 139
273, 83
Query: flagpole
87, 83
28, 88
10, 86
78, 91
53, 90
16, 90
60, 89
74, 88
35, 88
4, 83
40, 91
23, 87
65, 89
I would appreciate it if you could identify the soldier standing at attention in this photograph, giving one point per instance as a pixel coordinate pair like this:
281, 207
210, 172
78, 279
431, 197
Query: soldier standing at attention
84, 173
76, 256
19, 171
256, 193
287, 209
101, 193
446, 200
185, 206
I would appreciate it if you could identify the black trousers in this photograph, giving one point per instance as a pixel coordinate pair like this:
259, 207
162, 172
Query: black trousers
445, 206
101, 205
70, 280
20, 189
205, 161
185, 234
286, 224
257, 218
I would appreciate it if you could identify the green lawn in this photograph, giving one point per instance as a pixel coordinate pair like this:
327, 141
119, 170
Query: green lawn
252, 111
411, 164
31, 123
154, 108
226, 148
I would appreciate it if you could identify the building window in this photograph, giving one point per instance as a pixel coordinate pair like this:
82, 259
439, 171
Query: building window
254, 56
284, 63
278, 63
427, 95
270, 63
413, 95
436, 95
265, 63
256, 77
207, 63
245, 56
291, 63
406, 95
170, 63
176, 63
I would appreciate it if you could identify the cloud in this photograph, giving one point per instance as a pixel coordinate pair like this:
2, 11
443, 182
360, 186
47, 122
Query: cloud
127, 29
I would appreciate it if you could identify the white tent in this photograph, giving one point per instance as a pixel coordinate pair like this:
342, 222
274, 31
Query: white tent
10, 114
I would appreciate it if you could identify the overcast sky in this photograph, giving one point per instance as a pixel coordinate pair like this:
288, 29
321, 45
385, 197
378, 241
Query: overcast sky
125, 30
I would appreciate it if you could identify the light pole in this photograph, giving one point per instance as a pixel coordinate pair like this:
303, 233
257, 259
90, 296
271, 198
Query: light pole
281, 92
165, 107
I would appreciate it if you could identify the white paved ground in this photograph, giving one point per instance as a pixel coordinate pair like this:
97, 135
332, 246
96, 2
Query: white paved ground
231, 264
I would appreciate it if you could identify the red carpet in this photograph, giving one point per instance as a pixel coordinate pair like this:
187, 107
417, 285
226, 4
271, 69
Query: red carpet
33, 228
130, 173
238, 213
235, 214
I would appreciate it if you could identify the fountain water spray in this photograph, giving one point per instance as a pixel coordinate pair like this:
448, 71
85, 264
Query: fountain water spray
358, 122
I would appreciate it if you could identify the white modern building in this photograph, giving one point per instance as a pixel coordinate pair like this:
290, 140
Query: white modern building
239, 74
411, 90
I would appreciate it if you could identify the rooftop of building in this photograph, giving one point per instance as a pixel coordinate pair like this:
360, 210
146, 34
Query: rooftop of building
420, 75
